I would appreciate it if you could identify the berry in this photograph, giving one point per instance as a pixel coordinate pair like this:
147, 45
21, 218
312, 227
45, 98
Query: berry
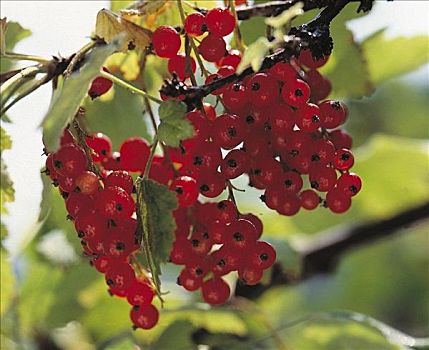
140, 293
289, 204
212, 48
337, 201
211, 184
100, 86
225, 212
262, 256
309, 199
166, 41
255, 221
144, 317
120, 276
134, 154
120, 178
186, 189
189, 282
90, 224
235, 97
350, 184
306, 58
177, 64
195, 24
70, 160
228, 131
215, 291
322, 178
250, 275
343, 159
262, 90
241, 234
101, 145
296, 93
115, 203
308, 119
87, 183
233, 59
220, 22
234, 164
332, 114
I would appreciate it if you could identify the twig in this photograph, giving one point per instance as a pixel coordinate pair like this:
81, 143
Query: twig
24, 57
321, 255
77, 57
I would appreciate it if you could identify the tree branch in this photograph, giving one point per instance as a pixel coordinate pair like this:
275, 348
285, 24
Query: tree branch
321, 255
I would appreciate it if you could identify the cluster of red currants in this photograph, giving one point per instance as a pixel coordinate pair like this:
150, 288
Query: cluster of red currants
103, 211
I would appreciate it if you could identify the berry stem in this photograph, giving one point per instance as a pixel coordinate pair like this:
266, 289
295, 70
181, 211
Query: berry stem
128, 86
77, 57
237, 39
24, 57
151, 155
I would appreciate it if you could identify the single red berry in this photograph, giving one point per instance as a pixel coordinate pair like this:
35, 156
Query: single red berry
100, 86
189, 282
166, 41
235, 97
320, 86
289, 204
262, 89
212, 48
308, 117
180, 251
115, 203
120, 178
296, 92
309, 199
234, 164
343, 159
220, 22
101, 145
349, 184
233, 59
65, 183
255, 221
134, 154
89, 224
228, 131
225, 211
200, 123
211, 184
77, 203
250, 275
306, 58
195, 24
186, 189
144, 317
113, 162
201, 243
215, 291
205, 156
337, 201
282, 118
340, 139
66, 137
102, 263
87, 183
322, 178
177, 64
70, 160
120, 276
322, 152
290, 181
267, 171
332, 114
140, 293
241, 234
262, 256
283, 71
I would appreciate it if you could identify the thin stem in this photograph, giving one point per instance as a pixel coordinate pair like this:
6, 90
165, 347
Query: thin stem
24, 57
77, 57
151, 155
25, 73
129, 87
238, 39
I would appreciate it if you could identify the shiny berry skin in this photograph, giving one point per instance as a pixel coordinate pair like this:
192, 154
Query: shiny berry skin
228, 131
140, 293
101, 145
241, 234
255, 221
233, 59
99, 86
90, 224
66, 184
195, 24
66, 137
215, 291
262, 89
350, 184
212, 48
134, 154
200, 243
113, 162
262, 256
250, 275
343, 159
70, 160
200, 123
296, 92
225, 211
102, 263
322, 152
115, 203
267, 172
332, 114
177, 64
220, 22
188, 281
309, 199
308, 117
220, 265
120, 178
120, 276
291, 181
340, 139
306, 58
144, 317
322, 178
207, 156
289, 204
186, 189
234, 164
77, 203
337, 201
211, 184
166, 41
87, 183
209, 111
282, 118
235, 97
283, 71
180, 251
320, 86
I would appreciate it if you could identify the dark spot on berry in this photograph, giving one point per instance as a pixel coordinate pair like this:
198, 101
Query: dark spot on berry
315, 119
345, 156
263, 257
204, 28
314, 184
204, 188
232, 163
298, 92
109, 282
221, 205
58, 164
294, 153
118, 207
238, 236
206, 235
257, 172
315, 158
256, 86
353, 189
221, 263
179, 190
288, 183
120, 246
199, 271
103, 152
232, 132
198, 160
195, 242
236, 87
81, 234
250, 119
336, 105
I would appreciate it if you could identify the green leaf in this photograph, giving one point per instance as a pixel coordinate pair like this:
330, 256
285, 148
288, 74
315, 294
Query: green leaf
344, 331
155, 215
178, 335
285, 17
7, 193
66, 103
174, 126
390, 58
254, 55
118, 115
7, 283
45, 203
5, 141
13, 34
347, 82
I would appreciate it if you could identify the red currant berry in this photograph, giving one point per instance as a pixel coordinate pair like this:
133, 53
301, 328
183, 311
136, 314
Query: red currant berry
189, 282
87, 183
177, 64
225, 212
332, 114
90, 224
262, 89
234, 164
308, 117
215, 291
283, 71
323, 152
255, 221
220, 22
140, 293
66, 137
134, 154
166, 41
235, 97
120, 276
306, 58
186, 189
291, 181
211, 184
289, 204
337, 201
349, 184
241, 234
250, 275
144, 317
113, 162
309, 199
296, 92
343, 159
115, 203
70, 160
77, 203
120, 178
100, 86
195, 24
320, 86
101, 145
262, 256
233, 59
322, 178
212, 48
228, 131
340, 139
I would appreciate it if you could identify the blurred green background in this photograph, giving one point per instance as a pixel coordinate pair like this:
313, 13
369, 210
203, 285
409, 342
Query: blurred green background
52, 299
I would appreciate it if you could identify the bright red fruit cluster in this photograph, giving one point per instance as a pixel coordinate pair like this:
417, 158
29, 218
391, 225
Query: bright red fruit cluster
102, 209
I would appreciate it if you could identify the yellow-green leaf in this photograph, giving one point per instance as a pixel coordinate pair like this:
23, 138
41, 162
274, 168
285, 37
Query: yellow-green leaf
254, 55
285, 17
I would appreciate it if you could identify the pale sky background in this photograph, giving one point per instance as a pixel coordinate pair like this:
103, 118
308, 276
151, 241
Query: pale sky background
62, 27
